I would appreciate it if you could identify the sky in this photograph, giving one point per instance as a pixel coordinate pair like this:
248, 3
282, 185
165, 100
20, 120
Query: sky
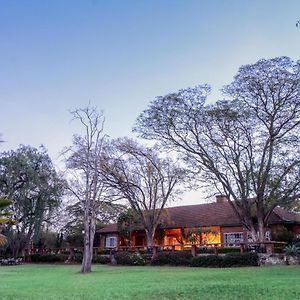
58, 55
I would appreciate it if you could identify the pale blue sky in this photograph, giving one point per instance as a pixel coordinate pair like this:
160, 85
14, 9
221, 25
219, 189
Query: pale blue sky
59, 55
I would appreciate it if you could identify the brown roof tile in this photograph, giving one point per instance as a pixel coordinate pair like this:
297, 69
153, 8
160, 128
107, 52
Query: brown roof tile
209, 214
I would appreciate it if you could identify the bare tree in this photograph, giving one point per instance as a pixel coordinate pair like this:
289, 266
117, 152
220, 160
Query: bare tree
246, 147
145, 180
84, 180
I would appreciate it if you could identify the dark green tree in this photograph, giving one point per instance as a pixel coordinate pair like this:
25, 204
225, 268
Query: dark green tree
5, 218
28, 177
127, 222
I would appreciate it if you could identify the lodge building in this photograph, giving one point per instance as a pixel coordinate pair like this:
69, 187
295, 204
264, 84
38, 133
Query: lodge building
218, 221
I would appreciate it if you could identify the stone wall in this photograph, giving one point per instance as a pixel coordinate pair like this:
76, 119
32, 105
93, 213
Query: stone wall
277, 260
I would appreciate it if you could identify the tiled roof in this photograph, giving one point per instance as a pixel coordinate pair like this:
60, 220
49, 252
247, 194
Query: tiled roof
209, 214
285, 215
109, 228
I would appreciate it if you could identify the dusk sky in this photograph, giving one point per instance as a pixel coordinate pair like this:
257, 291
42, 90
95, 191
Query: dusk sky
59, 55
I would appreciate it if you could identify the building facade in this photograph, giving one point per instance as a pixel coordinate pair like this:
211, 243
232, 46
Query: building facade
210, 224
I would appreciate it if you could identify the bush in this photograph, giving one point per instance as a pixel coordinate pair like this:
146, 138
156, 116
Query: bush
205, 250
239, 260
291, 250
226, 261
48, 258
78, 257
103, 251
206, 261
228, 250
284, 236
101, 259
178, 258
129, 259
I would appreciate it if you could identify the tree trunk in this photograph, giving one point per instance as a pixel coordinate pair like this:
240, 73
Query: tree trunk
261, 231
253, 234
260, 221
89, 234
150, 237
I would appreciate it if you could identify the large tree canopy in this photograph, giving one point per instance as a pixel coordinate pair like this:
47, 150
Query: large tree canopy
246, 146
28, 178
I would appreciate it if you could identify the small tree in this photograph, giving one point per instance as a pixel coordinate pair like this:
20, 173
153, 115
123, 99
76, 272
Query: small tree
127, 221
145, 180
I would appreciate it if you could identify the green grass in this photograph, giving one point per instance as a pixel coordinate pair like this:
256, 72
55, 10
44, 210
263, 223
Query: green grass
109, 282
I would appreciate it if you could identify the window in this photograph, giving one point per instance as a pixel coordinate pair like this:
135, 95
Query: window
111, 242
233, 238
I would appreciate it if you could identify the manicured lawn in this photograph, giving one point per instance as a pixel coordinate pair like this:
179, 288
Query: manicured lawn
107, 282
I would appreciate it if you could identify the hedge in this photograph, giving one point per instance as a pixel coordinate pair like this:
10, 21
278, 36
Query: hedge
129, 259
226, 261
178, 258
101, 259
54, 258
229, 250
48, 258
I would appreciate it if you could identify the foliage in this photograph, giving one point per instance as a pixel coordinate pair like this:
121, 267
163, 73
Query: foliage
126, 222
207, 261
284, 235
129, 258
73, 235
246, 146
28, 177
292, 250
5, 218
48, 258
101, 259
226, 261
177, 258
48, 239
97, 259
225, 250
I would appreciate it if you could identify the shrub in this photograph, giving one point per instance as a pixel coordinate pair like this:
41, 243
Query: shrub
205, 250
206, 261
228, 250
291, 250
101, 259
78, 257
284, 236
239, 260
178, 258
48, 258
130, 259
147, 257
226, 261
103, 252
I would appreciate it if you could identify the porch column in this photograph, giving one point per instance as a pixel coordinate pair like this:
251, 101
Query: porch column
269, 248
194, 250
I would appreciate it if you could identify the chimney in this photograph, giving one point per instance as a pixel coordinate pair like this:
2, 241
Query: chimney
221, 199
